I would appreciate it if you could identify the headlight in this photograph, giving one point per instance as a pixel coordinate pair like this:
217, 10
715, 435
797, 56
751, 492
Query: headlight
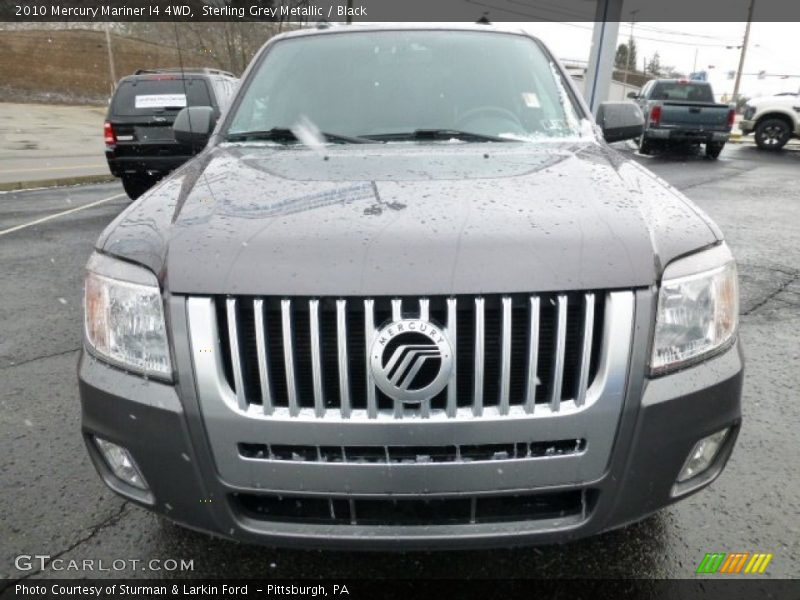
124, 316
698, 309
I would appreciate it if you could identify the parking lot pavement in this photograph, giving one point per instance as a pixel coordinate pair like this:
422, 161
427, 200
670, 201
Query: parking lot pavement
44, 142
53, 503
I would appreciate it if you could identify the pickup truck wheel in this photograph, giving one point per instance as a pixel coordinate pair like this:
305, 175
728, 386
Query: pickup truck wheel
136, 185
713, 149
772, 134
645, 146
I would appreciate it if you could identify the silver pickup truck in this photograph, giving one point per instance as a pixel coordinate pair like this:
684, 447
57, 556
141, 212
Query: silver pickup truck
679, 111
408, 297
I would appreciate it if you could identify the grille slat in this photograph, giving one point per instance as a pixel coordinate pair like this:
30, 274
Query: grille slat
512, 355
316, 358
586, 352
397, 309
397, 314
369, 335
425, 315
505, 359
236, 356
341, 339
288, 356
424, 309
533, 355
480, 338
558, 358
263, 362
452, 333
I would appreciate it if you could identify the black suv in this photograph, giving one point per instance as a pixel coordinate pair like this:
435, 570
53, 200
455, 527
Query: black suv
140, 146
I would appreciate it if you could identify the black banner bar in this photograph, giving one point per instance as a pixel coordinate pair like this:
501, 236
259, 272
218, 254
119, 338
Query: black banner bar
711, 588
311, 11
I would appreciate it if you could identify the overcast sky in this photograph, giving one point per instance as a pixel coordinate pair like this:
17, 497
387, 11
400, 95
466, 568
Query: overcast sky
773, 47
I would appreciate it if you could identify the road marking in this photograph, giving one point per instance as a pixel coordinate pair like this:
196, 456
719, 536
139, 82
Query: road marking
61, 214
53, 168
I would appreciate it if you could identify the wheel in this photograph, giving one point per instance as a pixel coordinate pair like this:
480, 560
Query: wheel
713, 149
645, 146
772, 134
136, 185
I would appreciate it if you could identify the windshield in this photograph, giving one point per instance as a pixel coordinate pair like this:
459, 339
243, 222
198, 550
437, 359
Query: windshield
680, 90
150, 96
390, 82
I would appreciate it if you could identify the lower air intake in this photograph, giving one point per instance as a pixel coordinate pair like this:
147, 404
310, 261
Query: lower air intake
414, 511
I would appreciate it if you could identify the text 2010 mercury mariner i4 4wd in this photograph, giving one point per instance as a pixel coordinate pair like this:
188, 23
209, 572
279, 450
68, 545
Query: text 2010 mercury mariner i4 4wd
407, 297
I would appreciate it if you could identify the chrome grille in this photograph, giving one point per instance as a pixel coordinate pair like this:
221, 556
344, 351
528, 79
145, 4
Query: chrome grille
513, 354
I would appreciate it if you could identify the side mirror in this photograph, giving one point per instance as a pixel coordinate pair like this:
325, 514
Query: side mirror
633, 95
620, 121
194, 125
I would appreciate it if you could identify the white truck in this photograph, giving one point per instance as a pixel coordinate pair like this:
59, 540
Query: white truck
774, 119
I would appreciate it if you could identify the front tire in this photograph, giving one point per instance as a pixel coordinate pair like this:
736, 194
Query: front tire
772, 134
645, 146
136, 185
713, 149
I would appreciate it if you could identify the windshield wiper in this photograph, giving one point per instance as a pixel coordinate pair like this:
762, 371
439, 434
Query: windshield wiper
438, 134
284, 134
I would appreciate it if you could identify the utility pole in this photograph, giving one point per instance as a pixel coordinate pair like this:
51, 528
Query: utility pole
111, 69
349, 11
605, 35
744, 52
630, 52
694, 67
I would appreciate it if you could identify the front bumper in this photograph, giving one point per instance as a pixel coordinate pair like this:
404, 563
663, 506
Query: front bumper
687, 135
660, 421
747, 126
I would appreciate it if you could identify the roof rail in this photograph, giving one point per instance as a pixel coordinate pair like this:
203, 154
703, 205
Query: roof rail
185, 70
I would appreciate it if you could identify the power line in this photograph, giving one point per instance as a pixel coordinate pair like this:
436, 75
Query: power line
727, 41
641, 37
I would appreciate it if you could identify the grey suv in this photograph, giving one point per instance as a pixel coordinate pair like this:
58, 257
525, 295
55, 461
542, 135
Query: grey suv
407, 297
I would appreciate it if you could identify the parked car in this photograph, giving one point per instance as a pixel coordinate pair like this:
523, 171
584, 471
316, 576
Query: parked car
408, 297
773, 119
680, 111
140, 145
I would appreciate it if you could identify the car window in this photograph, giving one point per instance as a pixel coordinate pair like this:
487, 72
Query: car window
692, 92
159, 95
227, 88
370, 83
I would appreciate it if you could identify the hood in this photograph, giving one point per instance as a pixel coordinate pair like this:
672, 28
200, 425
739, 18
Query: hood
788, 100
406, 218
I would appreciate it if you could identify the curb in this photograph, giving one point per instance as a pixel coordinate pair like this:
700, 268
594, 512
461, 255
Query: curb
792, 145
12, 186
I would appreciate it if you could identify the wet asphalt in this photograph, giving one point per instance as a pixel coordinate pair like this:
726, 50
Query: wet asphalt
53, 503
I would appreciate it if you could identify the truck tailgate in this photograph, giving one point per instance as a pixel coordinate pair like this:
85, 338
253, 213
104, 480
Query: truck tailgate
695, 115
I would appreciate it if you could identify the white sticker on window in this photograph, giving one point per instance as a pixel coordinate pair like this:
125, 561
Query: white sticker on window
531, 100
160, 100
